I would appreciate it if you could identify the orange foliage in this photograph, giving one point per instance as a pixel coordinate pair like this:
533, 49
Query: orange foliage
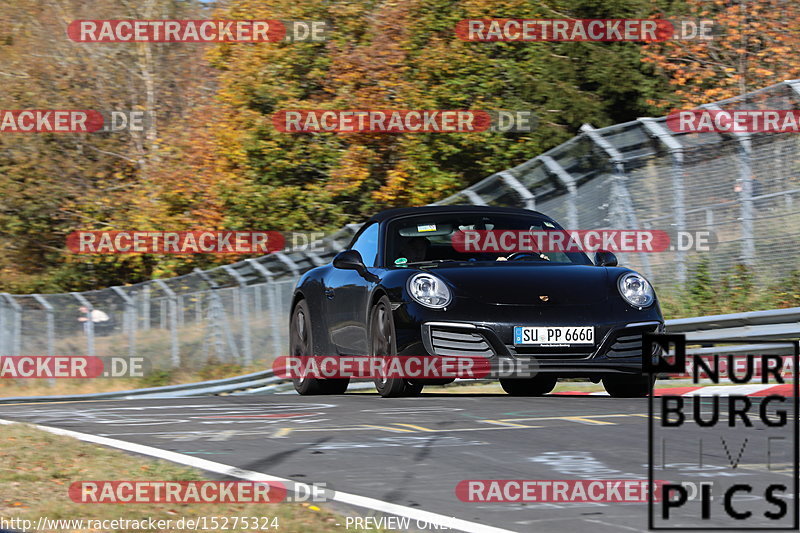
754, 46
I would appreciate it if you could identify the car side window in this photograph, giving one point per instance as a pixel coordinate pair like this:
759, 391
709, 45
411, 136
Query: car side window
367, 245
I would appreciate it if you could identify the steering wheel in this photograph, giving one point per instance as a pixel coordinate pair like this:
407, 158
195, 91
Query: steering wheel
516, 256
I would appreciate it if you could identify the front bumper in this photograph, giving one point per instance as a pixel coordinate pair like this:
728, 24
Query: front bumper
618, 346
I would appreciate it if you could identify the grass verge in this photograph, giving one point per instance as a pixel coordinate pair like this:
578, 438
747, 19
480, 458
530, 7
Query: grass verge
43, 387
37, 468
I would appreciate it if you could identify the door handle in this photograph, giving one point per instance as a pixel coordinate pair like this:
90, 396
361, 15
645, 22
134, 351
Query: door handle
329, 293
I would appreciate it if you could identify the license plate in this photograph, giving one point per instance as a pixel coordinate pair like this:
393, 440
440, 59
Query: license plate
552, 335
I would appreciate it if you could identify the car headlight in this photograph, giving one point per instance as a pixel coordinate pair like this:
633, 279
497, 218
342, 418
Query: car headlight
636, 290
429, 290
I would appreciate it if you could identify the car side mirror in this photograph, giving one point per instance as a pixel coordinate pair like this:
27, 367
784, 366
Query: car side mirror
605, 259
349, 260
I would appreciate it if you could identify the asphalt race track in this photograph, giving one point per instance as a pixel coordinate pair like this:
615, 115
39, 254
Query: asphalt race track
409, 451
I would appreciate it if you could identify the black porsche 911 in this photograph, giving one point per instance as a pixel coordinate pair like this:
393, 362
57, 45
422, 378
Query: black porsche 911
403, 288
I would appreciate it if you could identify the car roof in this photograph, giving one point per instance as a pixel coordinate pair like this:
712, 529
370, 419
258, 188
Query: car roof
444, 209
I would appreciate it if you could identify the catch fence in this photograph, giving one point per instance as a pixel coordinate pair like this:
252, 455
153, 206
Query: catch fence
637, 175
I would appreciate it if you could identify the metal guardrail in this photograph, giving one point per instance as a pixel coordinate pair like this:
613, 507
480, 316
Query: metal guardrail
761, 325
746, 327
265, 381
635, 175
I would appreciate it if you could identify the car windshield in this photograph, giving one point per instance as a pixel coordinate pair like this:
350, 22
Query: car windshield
429, 238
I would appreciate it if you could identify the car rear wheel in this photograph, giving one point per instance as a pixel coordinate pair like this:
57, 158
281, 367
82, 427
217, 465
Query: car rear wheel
301, 344
383, 344
535, 386
628, 386
334, 386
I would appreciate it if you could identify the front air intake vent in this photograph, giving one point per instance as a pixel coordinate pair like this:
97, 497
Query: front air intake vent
449, 342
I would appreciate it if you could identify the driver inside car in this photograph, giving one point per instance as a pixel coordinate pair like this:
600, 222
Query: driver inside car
414, 249
532, 253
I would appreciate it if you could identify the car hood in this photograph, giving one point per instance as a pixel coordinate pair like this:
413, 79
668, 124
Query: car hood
526, 284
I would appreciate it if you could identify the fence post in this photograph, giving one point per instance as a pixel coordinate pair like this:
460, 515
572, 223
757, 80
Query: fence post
130, 319
217, 311
173, 322
51, 324
473, 197
162, 313
286, 260
293, 267
569, 182
16, 342
746, 197
675, 149
244, 317
146, 307
257, 300
3, 333
180, 310
527, 197
236, 300
744, 150
89, 324
51, 328
620, 180
271, 303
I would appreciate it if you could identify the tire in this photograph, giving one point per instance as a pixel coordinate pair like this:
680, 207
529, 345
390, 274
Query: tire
301, 344
334, 386
628, 385
413, 388
382, 344
535, 386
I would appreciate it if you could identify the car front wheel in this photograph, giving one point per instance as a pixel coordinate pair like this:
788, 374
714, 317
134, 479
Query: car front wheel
535, 386
628, 386
382, 344
413, 388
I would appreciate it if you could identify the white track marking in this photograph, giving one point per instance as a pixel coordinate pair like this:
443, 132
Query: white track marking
250, 475
615, 527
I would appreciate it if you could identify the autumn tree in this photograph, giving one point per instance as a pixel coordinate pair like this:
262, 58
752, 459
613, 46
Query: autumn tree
405, 55
753, 46
52, 184
212, 158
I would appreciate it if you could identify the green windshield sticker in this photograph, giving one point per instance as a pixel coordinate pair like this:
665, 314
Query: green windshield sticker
549, 225
400, 261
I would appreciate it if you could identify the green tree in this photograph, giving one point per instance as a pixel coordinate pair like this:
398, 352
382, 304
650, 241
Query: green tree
212, 158
52, 184
405, 55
